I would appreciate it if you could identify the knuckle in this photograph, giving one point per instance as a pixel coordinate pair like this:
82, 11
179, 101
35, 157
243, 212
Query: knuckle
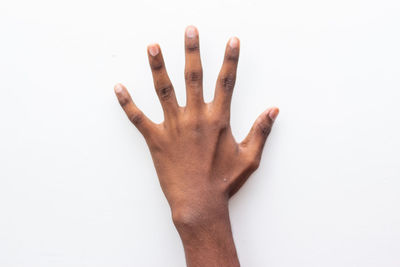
136, 118
264, 128
123, 100
156, 65
193, 124
253, 163
165, 92
219, 122
155, 146
194, 76
228, 81
192, 47
232, 55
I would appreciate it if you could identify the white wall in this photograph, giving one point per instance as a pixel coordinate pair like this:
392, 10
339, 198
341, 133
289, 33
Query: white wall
77, 184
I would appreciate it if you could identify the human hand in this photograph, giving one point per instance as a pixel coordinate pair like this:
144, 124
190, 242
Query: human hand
198, 162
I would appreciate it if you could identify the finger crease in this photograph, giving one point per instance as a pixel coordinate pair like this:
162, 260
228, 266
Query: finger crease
165, 92
193, 76
192, 47
136, 118
228, 82
124, 101
157, 66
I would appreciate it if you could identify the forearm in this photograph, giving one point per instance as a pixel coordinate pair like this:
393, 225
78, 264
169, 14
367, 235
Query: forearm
207, 238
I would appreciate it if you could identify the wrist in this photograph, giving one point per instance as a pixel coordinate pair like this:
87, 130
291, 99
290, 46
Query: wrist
189, 218
199, 212
207, 236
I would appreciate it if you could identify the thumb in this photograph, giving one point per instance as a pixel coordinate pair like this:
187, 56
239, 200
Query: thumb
260, 130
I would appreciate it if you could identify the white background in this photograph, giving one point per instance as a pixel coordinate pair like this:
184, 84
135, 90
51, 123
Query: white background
77, 184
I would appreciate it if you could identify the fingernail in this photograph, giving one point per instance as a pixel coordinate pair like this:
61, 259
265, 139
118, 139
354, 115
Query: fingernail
118, 88
273, 113
190, 32
234, 42
153, 50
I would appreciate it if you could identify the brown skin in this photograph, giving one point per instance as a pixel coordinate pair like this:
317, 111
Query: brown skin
198, 162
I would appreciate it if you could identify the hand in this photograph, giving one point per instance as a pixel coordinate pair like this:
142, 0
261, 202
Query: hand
198, 162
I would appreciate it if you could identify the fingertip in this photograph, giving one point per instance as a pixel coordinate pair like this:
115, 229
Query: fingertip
232, 50
234, 42
153, 49
191, 31
118, 88
273, 113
